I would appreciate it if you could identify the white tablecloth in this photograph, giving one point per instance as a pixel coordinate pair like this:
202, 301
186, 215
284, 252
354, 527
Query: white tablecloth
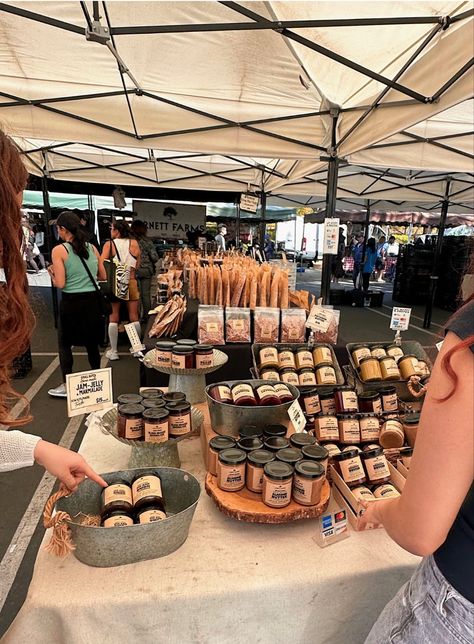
230, 583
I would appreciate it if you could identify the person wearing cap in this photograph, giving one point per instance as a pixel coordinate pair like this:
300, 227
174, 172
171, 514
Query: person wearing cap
80, 318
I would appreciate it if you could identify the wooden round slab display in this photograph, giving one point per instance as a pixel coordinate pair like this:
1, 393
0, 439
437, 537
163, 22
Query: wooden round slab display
248, 506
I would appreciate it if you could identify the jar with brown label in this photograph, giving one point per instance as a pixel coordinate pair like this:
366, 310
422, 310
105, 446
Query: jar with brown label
370, 369
116, 519
286, 359
130, 399
289, 376
389, 398
269, 374
290, 455
300, 439
395, 351
274, 430
326, 399
408, 366
350, 468
182, 357
277, 484
346, 400
256, 461
249, 444
370, 402
321, 355
283, 393
306, 377
369, 428
410, 427
326, 374
332, 449
392, 434
155, 425
376, 466
304, 359
327, 429
146, 489
349, 430
308, 482
130, 422
180, 419
243, 395
266, 395
216, 445
362, 493
163, 351
275, 443
150, 513
386, 491
318, 453
204, 356
358, 352
268, 357
221, 393
389, 369
117, 496
231, 469
310, 400
406, 454
378, 352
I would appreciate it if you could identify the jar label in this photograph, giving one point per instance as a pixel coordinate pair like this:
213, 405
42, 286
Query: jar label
390, 402
294, 333
265, 390
290, 378
148, 485
386, 492
362, 493
304, 359
118, 521
328, 406
349, 431
150, 516
351, 469
163, 358
377, 406
224, 392
307, 378
322, 354
362, 352
133, 428
270, 375
326, 376
117, 492
178, 361
268, 355
312, 404
377, 468
230, 477
281, 388
277, 494
307, 491
204, 361
180, 425
396, 352
156, 432
327, 429
369, 429
332, 449
286, 359
254, 479
378, 353
349, 400
242, 391
266, 332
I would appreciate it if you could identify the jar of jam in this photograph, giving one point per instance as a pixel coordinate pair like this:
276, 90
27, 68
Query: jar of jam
306, 377
326, 374
408, 365
243, 395
216, 445
391, 434
332, 449
250, 431
406, 454
150, 393
310, 400
150, 513
277, 484
289, 376
180, 420
369, 428
249, 444
116, 519
204, 356
290, 455
163, 351
146, 489
326, 399
349, 430
370, 369
376, 466
386, 491
117, 496
310, 424
256, 461
362, 493
129, 399
231, 469
266, 395
182, 357
388, 368
221, 393
358, 352
395, 351
153, 403
304, 359
317, 453
308, 482
410, 427
275, 443
269, 374
321, 355
268, 357
274, 430
174, 396
327, 429
346, 400
130, 422
371, 402
286, 359
350, 468
300, 439
283, 393
155, 425
378, 352
389, 398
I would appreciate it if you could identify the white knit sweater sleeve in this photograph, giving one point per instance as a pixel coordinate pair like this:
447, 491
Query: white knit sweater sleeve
16, 450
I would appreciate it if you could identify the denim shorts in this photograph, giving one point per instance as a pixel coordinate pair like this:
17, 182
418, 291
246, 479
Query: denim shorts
426, 610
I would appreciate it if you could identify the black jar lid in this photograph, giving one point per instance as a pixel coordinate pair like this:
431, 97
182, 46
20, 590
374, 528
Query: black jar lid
370, 453
274, 430
260, 457
153, 403
315, 452
288, 370
155, 414
300, 439
309, 469
174, 396
180, 406
367, 358
299, 349
325, 394
151, 393
131, 410
203, 348
387, 357
219, 443
250, 443
116, 482
129, 399
232, 456
146, 474
278, 470
369, 395
186, 342
183, 350
274, 443
307, 370
407, 355
116, 512
344, 388
321, 365
406, 451
388, 390
308, 391
360, 346
393, 346
165, 345
249, 431
282, 349
289, 455
343, 456
411, 419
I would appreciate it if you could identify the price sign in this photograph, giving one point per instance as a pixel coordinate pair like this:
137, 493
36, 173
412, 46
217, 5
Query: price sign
319, 319
331, 236
332, 527
400, 318
248, 202
89, 391
296, 416
134, 338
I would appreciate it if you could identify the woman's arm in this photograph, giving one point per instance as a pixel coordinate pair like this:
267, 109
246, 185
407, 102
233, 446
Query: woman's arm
101, 274
442, 466
135, 251
106, 254
58, 270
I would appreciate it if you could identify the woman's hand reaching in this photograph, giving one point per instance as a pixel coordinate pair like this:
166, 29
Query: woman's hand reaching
69, 467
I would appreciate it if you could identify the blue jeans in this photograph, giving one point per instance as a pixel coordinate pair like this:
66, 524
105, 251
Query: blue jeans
426, 610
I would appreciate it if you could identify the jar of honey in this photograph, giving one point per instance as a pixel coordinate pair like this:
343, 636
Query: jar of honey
286, 359
289, 376
408, 366
321, 354
326, 374
378, 352
395, 351
389, 369
370, 369
306, 377
392, 434
304, 358
358, 352
268, 357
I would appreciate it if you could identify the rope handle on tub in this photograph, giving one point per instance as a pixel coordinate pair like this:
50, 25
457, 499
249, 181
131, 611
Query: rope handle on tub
415, 381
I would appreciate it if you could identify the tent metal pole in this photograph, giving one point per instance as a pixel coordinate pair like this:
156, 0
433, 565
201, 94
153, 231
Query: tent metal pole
49, 243
237, 227
331, 194
434, 277
263, 200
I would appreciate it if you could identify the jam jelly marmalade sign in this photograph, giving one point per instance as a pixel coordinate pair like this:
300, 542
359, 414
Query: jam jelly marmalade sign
89, 391
331, 236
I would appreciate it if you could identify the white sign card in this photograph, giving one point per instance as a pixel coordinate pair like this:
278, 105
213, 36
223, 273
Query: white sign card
248, 202
331, 236
439, 345
332, 527
137, 344
297, 416
319, 319
400, 318
89, 391
171, 220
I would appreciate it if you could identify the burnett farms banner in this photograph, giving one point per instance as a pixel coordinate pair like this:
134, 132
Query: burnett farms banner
170, 220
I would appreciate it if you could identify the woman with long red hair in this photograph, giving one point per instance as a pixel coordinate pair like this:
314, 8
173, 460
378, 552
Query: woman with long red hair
18, 449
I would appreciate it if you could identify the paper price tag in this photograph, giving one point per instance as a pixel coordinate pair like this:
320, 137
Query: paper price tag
134, 338
319, 319
89, 391
331, 236
297, 416
400, 318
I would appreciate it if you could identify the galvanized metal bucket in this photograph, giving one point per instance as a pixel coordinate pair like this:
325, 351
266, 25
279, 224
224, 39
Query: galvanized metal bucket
107, 547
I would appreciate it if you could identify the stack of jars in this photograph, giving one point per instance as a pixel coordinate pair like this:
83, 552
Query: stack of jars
141, 501
386, 362
183, 354
298, 366
249, 394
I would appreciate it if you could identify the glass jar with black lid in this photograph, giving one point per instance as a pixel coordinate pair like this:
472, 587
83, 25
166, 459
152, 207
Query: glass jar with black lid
300, 439
249, 444
370, 401
204, 356
182, 357
290, 455
151, 393
147, 489
317, 453
174, 396
274, 430
153, 403
116, 496
130, 421
327, 402
275, 443
163, 351
346, 400
256, 461
129, 399
186, 342
350, 467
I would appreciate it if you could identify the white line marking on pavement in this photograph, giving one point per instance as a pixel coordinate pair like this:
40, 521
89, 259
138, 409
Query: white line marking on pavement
412, 326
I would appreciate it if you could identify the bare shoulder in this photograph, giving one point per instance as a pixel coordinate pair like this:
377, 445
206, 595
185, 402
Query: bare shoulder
59, 251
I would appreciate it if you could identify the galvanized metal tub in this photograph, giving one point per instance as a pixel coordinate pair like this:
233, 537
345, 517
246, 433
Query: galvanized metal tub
227, 419
107, 547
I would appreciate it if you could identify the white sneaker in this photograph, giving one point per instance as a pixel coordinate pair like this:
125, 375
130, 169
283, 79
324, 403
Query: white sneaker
58, 392
112, 355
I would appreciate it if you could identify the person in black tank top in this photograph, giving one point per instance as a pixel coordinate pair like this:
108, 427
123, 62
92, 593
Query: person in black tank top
434, 516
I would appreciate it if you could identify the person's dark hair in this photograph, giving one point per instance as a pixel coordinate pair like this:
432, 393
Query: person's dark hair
139, 228
72, 223
123, 229
391, 239
371, 243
